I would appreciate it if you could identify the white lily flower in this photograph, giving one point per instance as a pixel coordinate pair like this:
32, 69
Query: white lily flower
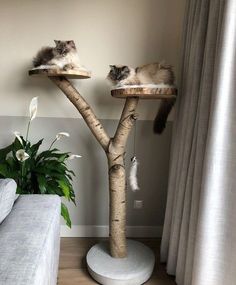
33, 108
17, 135
72, 156
21, 155
61, 135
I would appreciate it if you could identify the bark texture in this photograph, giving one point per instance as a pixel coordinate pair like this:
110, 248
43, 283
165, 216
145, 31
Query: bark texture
115, 151
145, 92
117, 179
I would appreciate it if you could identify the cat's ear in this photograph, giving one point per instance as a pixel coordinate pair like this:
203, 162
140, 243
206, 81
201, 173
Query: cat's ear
163, 65
125, 68
57, 42
71, 43
112, 67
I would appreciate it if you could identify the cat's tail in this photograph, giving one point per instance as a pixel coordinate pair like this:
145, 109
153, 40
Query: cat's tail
162, 115
43, 56
36, 61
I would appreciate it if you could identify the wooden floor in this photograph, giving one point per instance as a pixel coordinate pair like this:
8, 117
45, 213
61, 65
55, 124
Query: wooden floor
72, 268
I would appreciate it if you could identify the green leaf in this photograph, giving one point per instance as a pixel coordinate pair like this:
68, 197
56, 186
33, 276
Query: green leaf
73, 200
70, 171
42, 184
56, 190
48, 154
17, 145
51, 168
65, 214
65, 189
53, 188
63, 157
34, 148
19, 190
13, 164
5, 151
4, 170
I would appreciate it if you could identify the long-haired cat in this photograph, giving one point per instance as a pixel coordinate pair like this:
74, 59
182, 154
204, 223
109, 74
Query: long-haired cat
154, 73
64, 56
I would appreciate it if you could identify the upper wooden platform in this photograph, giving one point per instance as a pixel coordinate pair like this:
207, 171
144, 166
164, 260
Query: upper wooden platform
73, 74
145, 92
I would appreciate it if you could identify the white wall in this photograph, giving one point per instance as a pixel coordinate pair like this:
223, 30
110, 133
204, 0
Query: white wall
132, 32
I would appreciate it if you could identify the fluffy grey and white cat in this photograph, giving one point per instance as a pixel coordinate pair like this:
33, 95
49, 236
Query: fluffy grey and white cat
64, 56
154, 73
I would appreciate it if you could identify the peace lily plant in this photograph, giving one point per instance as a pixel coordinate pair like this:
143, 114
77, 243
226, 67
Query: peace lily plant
37, 172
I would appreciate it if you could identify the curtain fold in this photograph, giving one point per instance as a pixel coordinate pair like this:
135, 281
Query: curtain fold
203, 127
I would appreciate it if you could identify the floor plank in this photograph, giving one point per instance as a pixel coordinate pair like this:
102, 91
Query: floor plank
72, 267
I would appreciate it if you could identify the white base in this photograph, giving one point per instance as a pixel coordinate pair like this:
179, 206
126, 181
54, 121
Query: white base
135, 269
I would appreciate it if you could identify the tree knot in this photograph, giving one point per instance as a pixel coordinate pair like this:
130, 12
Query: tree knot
116, 168
134, 116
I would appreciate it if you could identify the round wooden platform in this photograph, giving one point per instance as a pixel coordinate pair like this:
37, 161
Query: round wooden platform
145, 92
73, 74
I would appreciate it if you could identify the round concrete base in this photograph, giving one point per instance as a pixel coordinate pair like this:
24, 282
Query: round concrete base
135, 269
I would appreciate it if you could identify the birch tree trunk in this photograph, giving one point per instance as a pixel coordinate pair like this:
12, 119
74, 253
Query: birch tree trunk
117, 179
115, 152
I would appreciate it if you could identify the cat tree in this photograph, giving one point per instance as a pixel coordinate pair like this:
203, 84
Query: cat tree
118, 267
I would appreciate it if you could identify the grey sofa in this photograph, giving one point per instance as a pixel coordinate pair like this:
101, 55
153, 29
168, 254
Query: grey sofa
30, 241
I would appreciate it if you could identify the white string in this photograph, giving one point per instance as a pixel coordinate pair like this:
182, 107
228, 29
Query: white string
133, 180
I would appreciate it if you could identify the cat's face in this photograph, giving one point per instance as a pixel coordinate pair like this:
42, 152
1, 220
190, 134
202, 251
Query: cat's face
118, 73
64, 47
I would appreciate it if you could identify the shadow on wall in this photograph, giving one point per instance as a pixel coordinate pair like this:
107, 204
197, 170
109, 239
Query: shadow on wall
35, 85
31, 83
102, 92
91, 183
94, 177
103, 98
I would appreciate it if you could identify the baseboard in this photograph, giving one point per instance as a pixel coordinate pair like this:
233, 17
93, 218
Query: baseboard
102, 231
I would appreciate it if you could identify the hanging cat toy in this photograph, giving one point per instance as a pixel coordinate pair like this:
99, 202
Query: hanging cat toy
133, 175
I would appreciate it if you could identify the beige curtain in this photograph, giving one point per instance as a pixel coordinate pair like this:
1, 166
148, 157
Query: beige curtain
199, 237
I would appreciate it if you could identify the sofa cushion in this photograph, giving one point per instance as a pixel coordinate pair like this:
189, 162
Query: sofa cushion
30, 241
7, 197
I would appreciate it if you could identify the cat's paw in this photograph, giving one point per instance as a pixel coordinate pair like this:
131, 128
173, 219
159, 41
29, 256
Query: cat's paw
68, 66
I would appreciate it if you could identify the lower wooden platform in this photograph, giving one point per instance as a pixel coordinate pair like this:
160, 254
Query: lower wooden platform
72, 268
145, 92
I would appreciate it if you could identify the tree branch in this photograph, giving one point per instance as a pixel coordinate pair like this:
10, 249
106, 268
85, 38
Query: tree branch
85, 110
127, 119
